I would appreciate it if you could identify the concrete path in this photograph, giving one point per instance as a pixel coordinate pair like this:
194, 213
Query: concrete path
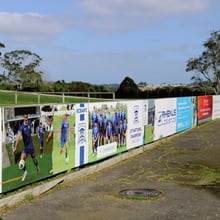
185, 168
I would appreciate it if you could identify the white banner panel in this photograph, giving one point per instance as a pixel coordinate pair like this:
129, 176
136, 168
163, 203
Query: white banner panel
81, 134
135, 134
216, 107
165, 117
106, 150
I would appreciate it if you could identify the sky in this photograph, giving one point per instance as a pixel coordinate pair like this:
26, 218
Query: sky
104, 41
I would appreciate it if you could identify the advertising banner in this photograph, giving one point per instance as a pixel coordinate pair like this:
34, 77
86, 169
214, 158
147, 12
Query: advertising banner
165, 117
81, 134
216, 107
27, 157
204, 109
135, 130
107, 129
150, 121
63, 138
184, 110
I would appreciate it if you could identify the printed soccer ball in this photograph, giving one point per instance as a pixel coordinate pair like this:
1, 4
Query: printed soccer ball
21, 164
67, 160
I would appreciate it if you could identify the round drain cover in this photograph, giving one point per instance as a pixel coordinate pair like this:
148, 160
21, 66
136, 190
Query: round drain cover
140, 193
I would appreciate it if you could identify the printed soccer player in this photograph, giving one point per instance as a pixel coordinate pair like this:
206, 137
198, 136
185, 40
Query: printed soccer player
41, 131
95, 138
65, 136
153, 118
124, 130
25, 132
120, 134
50, 137
109, 133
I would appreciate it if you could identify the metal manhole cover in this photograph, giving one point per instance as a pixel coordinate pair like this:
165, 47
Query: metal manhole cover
140, 193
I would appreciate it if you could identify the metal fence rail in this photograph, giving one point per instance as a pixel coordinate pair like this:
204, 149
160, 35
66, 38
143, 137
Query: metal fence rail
17, 97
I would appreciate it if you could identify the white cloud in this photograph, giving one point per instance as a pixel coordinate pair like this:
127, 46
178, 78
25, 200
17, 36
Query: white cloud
28, 23
102, 15
131, 14
142, 7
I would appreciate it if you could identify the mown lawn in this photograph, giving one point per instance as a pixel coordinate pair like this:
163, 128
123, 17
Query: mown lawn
8, 98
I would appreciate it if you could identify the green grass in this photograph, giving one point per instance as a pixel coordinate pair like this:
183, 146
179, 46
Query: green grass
12, 175
8, 98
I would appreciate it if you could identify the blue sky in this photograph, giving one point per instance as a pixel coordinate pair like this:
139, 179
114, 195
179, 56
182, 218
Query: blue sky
103, 41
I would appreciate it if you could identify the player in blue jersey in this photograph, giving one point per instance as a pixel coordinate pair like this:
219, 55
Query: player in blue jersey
24, 132
153, 119
50, 137
41, 131
120, 134
64, 136
94, 116
124, 130
109, 132
95, 137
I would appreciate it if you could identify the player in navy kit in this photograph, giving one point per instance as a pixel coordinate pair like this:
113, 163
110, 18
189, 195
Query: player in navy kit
95, 137
109, 132
41, 131
25, 132
64, 136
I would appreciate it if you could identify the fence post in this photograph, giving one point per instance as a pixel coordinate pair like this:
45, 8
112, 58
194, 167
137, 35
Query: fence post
63, 98
38, 98
16, 97
88, 97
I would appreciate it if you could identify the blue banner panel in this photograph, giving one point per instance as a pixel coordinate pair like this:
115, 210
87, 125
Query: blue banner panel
184, 113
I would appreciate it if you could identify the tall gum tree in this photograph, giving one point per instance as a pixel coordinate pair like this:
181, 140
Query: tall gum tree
21, 66
207, 65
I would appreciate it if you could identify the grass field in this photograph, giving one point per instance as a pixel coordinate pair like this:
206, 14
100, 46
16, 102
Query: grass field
8, 98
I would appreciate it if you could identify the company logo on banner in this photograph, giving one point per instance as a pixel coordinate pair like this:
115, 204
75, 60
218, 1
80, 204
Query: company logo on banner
81, 134
136, 114
165, 117
135, 125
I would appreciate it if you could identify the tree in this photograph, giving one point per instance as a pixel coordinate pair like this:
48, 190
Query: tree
2, 76
127, 89
60, 86
21, 68
1, 46
207, 65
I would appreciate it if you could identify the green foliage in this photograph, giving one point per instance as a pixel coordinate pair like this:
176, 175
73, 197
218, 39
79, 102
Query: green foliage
207, 65
28, 197
20, 66
127, 89
2, 45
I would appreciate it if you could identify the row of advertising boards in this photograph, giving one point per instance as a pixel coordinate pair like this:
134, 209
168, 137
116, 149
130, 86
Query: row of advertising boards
95, 131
